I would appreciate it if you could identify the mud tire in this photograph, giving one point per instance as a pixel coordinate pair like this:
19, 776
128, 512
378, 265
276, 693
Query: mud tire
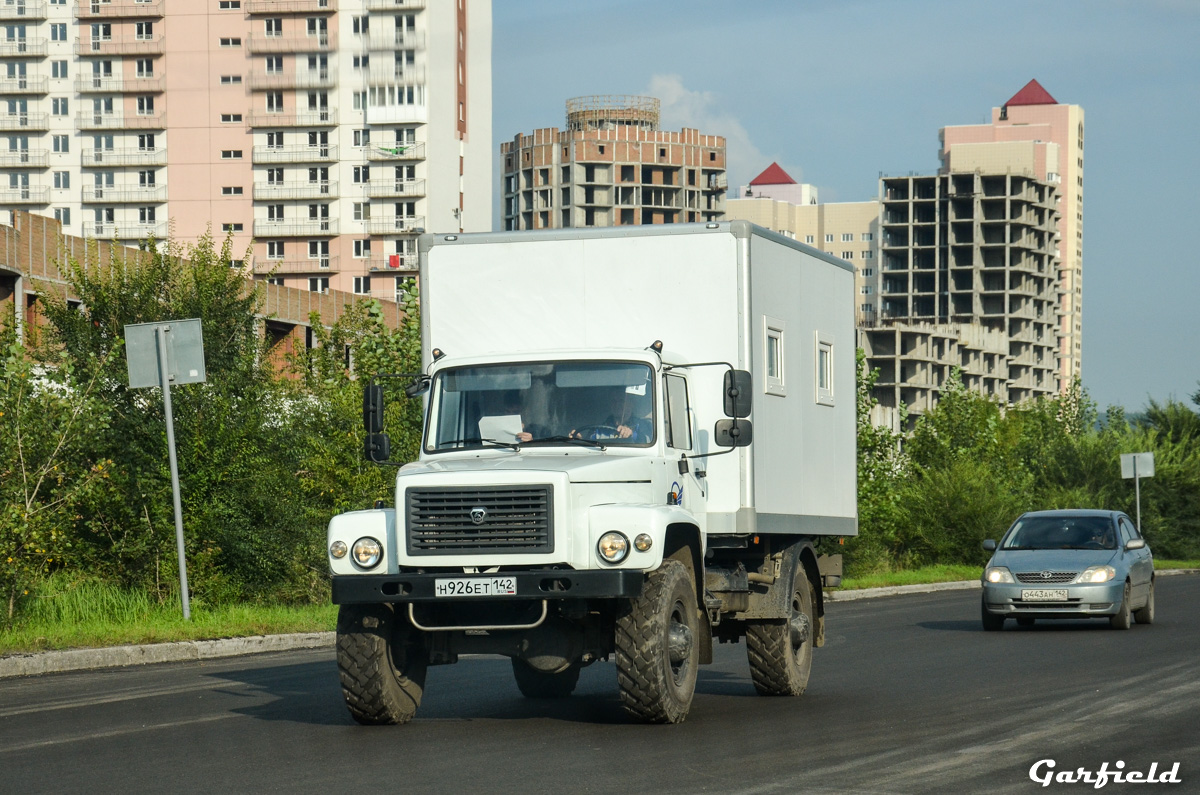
779, 667
381, 664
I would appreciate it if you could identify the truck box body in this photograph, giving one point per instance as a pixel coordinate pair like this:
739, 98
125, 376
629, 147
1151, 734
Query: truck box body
728, 292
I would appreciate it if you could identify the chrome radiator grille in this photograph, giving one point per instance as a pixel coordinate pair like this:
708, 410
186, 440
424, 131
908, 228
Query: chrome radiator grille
498, 520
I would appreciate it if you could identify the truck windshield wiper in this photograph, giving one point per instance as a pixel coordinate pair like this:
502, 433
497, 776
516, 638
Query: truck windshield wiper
509, 445
569, 440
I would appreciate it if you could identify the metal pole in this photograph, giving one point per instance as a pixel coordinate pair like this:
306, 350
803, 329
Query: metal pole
161, 338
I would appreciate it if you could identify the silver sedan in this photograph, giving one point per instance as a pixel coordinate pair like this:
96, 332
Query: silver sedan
1069, 564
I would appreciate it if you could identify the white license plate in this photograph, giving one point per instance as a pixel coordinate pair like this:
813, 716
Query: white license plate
475, 586
1044, 595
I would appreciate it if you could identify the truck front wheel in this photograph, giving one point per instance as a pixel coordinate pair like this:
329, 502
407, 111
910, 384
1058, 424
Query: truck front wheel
657, 655
381, 663
780, 652
539, 684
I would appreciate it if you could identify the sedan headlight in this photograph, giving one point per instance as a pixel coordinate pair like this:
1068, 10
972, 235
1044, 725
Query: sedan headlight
1094, 574
613, 547
997, 574
367, 552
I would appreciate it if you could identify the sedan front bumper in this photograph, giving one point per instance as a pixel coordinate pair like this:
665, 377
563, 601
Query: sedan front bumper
1083, 601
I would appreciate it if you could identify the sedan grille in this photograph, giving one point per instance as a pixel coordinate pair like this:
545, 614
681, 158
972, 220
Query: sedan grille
1038, 577
504, 520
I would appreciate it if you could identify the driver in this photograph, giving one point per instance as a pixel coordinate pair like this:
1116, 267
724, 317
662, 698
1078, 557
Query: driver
631, 418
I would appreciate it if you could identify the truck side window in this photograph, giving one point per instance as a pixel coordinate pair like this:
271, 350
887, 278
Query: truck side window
679, 426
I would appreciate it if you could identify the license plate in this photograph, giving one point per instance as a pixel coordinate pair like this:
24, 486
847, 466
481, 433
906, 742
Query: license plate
475, 586
1044, 595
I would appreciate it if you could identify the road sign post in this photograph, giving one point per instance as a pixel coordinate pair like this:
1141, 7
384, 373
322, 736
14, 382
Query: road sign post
1137, 466
160, 354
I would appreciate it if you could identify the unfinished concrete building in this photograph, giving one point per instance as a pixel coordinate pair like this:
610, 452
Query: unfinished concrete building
612, 166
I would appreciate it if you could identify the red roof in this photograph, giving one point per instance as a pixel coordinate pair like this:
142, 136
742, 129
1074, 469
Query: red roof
1032, 94
774, 175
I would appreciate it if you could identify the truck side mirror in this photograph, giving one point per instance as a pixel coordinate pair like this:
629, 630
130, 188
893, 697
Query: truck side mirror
733, 433
738, 392
377, 448
373, 409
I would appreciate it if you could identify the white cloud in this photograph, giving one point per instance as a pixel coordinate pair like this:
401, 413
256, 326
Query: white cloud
682, 107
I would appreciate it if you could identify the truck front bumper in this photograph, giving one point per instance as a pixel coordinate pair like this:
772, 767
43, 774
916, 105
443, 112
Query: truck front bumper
550, 584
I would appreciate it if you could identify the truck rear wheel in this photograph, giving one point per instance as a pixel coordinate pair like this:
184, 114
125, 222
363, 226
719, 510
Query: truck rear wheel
538, 684
381, 663
780, 652
657, 655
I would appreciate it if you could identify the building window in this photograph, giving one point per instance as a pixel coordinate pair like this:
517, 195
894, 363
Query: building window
230, 80
227, 5
847, 237
867, 308
62, 215
274, 26
362, 174
274, 64
231, 118
847, 255
231, 227
824, 364
362, 211
144, 31
361, 61
62, 143
773, 361
808, 239
58, 68
362, 249
362, 137
145, 106
867, 236
868, 272
868, 254
828, 238
866, 289
362, 285
58, 31
146, 215
361, 25
274, 249
58, 106
231, 190
278, 281
230, 42
231, 154
318, 284
62, 179
274, 102
146, 142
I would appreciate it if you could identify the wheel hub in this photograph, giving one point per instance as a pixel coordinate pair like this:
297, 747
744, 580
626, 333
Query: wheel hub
799, 628
679, 643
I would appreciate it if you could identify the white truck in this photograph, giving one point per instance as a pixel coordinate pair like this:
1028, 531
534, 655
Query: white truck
637, 441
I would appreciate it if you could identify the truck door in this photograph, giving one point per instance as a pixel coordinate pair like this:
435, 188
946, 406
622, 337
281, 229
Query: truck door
680, 440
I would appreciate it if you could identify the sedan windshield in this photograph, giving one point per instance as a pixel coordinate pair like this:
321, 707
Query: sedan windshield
1061, 532
587, 404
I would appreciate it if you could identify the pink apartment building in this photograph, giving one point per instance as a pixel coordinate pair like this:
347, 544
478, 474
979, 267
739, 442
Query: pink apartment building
329, 132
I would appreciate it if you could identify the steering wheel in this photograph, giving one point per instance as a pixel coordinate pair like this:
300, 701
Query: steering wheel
597, 431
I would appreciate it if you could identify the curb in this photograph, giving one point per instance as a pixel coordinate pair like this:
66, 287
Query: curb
46, 662
182, 651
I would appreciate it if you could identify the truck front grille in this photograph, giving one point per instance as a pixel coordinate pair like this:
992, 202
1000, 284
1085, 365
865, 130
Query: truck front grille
498, 520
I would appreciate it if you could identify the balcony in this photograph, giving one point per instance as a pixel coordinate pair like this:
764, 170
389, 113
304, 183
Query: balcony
118, 9
118, 121
24, 121
296, 266
396, 263
126, 45
289, 44
295, 190
93, 84
290, 6
23, 10
396, 40
312, 118
267, 228
38, 84
397, 188
294, 154
126, 231
394, 5
395, 225
124, 157
24, 158
130, 194
384, 152
34, 194
22, 48
260, 80
389, 75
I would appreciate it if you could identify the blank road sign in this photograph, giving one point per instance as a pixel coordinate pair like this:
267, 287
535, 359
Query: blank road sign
185, 353
1145, 465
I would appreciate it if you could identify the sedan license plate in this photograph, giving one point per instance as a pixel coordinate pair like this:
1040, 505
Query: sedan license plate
1044, 595
475, 586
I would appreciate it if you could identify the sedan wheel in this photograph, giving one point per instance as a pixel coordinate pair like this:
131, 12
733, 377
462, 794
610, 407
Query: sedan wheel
1145, 615
1123, 619
991, 621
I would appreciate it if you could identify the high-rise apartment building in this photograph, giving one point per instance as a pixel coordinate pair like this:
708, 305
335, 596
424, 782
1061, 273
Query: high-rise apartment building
332, 132
1033, 133
612, 166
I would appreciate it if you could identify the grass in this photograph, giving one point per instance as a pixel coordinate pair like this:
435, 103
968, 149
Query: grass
90, 614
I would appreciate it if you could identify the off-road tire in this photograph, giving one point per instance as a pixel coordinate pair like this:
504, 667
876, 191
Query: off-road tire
653, 688
1145, 613
381, 664
991, 621
538, 684
1124, 618
778, 667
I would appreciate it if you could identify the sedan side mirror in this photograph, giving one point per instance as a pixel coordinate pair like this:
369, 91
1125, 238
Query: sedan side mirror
990, 545
1135, 543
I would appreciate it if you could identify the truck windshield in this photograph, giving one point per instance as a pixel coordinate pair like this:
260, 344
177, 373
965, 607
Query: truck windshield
583, 403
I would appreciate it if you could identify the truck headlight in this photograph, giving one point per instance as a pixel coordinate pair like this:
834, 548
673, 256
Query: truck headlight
367, 552
643, 542
613, 547
338, 549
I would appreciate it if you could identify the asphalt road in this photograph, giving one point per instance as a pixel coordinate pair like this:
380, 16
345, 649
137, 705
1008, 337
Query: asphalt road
908, 695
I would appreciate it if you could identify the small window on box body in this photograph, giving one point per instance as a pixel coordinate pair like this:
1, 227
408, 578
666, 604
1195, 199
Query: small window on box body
824, 374
773, 360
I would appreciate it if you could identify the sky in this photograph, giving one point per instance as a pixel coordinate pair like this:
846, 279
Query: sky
841, 92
